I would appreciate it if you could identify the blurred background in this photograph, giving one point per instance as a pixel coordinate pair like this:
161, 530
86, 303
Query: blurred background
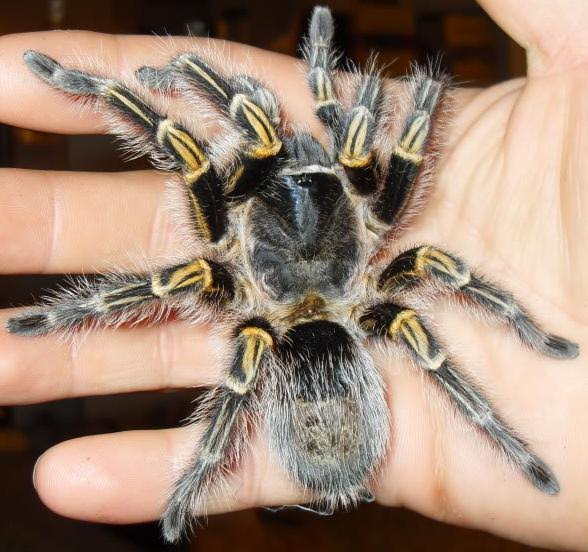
474, 49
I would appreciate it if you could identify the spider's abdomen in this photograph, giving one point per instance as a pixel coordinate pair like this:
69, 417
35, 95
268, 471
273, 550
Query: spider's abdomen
305, 235
327, 415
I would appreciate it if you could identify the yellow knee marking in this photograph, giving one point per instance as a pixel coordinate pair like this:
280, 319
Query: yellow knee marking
256, 342
407, 323
430, 257
258, 121
354, 154
324, 88
193, 273
199, 216
234, 179
414, 158
415, 136
194, 158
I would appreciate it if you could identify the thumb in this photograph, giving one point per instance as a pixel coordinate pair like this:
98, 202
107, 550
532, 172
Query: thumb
552, 32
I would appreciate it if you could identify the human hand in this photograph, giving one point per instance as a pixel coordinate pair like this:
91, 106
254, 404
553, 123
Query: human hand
508, 197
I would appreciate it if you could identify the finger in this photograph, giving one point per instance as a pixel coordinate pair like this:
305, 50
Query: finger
553, 33
171, 355
34, 105
58, 222
435, 465
100, 478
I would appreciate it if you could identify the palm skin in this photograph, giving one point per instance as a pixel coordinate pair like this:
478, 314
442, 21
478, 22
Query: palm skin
509, 197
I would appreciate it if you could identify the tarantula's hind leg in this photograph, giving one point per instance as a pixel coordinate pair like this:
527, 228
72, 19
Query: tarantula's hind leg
115, 298
403, 326
224, 412
419, 264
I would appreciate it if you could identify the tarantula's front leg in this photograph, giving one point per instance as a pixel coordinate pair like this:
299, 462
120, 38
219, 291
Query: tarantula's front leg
429, 263
251, 107
403, 326
168, 142
224, 412
115, 298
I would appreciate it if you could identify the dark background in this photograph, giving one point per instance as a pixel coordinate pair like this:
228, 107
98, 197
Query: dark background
475, 51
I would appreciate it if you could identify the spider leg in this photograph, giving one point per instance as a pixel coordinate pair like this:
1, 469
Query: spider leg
115, 298
224, 412
321, 58
428, 263
403, 326
251, 107
168, 142
408, 155
356, 154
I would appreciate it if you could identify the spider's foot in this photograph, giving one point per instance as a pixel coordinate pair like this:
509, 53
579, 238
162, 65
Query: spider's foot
558, 347
72, 81
41, 65
541, 476
29, 324
547, 344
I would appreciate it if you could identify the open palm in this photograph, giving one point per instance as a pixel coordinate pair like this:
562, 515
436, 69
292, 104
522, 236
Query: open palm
509, 197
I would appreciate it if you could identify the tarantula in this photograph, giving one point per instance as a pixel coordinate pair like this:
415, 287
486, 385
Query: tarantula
289, 235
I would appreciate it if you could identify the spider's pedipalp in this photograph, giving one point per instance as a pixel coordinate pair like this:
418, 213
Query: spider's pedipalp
321, 58
251, 107
112, 299
403, 326
417, 265
224, 412
408, 155
307, 151
357, 154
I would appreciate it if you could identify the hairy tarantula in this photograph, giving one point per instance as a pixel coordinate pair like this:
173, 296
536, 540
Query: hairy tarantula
289, 235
